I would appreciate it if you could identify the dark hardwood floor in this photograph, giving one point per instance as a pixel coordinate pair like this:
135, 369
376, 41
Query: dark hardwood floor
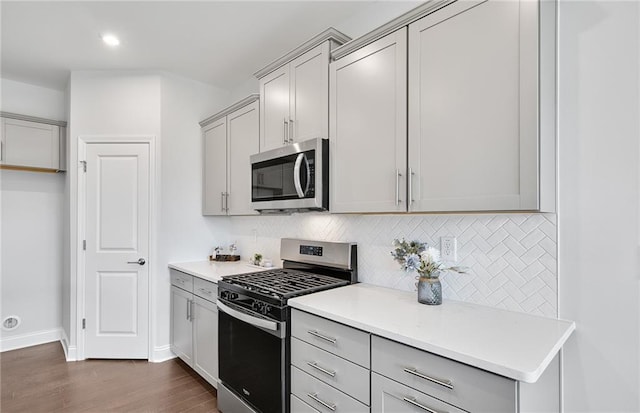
38, 379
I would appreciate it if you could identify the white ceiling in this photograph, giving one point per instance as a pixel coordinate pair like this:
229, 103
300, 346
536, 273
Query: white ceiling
219, 43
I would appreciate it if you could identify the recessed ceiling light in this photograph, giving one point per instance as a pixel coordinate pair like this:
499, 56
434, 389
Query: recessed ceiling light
110, 40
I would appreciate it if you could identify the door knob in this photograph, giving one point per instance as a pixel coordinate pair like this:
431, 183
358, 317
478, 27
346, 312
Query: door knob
140, 261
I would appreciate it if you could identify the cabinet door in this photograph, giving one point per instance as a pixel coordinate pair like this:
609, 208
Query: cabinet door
368, 126
243, 141
309, 98
214, 180
205, 340
387, 396
181, 328
473, 108
30, 144
274, 109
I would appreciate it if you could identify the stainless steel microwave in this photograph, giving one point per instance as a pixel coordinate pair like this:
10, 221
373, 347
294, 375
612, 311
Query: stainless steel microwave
291, 178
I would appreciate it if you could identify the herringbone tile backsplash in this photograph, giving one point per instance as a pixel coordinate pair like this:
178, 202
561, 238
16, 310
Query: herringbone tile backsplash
511, 257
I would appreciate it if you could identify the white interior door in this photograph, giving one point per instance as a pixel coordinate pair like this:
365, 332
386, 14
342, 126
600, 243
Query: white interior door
117, 242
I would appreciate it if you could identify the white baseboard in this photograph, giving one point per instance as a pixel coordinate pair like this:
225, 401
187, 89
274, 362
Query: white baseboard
162, 353
70, 352
30, 339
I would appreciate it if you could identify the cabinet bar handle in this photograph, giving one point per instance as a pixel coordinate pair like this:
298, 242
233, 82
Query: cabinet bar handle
285, 132
226, 201
202, 290
445, 383
398, 175
411, 173
330, 373
1, 152
413, 402
291, 132
323, 337
222, 201
315, 398
189, 310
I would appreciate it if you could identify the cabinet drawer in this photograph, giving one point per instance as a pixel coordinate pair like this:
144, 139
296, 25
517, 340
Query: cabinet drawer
389, 396
469, 388
321, 396
346, 342
331, 369
298, 406
205, 289
182, 280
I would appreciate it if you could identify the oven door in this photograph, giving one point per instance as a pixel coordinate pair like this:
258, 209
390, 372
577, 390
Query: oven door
252, 358
293, 177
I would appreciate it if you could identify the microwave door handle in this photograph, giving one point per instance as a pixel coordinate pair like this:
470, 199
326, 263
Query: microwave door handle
306, 164
296, 175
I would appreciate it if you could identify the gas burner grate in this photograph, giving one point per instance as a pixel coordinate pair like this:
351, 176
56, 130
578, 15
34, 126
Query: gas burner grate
285, 283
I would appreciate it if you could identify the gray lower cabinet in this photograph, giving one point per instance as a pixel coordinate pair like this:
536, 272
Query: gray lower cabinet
390, 396
329, 366
337, 368
457, 384
194, 324
181, 327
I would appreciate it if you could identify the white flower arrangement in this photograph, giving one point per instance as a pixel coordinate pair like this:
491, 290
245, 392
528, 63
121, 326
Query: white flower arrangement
418, 256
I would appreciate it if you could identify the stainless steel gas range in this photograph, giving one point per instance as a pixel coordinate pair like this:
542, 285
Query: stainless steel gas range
254, 322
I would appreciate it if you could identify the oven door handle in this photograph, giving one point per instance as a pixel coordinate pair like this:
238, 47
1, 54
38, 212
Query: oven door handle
255, 321
296, 175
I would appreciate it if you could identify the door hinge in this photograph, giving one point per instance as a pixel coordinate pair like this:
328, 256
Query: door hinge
84, 244
84, 323
84, 166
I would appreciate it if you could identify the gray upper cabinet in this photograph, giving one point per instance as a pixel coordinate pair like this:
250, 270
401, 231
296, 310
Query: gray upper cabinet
480, 132
368, 127
294, 93
32, 143
473, 131
229, 139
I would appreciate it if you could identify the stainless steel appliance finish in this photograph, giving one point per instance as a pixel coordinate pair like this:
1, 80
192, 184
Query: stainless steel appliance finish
254, 322
291, 178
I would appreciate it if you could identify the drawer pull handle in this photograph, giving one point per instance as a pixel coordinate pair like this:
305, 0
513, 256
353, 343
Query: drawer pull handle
322, 370
444, 383
413, 402
315, 398
203, 291
323, 337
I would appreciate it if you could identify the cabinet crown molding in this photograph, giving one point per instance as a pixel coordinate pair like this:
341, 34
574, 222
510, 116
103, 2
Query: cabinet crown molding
391, 26
224, 112
28, 118
329, 34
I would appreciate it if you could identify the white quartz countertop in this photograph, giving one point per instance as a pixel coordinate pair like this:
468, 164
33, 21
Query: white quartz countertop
511, 344
215, 270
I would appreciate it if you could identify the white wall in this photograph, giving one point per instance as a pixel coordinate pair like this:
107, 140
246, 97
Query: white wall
31, 210
184, 234
599, 197
26, 99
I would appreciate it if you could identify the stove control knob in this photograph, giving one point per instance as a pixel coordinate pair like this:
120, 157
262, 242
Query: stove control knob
224, 294
255, 306
265, 309
234, 296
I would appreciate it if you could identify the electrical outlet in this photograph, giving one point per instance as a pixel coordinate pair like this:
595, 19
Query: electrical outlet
448, 249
